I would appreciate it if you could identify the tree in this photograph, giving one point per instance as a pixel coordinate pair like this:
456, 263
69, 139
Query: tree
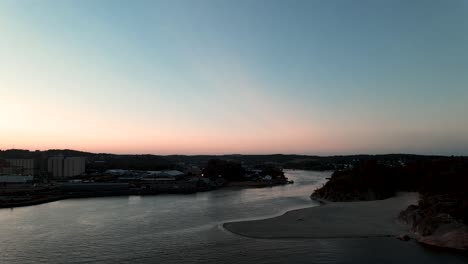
229, 170
274, 172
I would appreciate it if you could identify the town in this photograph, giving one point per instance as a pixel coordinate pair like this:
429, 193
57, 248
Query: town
28, 178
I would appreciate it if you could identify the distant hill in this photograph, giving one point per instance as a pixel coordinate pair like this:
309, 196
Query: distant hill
101, 161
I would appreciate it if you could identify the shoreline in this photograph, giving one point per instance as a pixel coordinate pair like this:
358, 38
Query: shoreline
76, 196
59, 197
332, 220
33, 202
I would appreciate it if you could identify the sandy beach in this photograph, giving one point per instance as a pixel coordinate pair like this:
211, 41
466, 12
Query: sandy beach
332, 220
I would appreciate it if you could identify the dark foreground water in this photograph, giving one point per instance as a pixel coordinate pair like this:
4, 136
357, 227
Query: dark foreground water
186, 229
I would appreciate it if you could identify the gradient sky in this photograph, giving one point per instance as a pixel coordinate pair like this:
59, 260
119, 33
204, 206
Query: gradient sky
255, 76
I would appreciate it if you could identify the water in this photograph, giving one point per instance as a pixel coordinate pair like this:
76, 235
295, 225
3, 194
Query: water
186, 229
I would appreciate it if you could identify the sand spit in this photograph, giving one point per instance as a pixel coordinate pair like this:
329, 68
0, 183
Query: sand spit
333, 220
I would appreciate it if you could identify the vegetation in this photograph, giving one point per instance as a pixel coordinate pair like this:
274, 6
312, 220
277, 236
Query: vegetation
275, 172
233, 171
442, 183
229, 170
429, 177
129, 162
102, 161
367, 181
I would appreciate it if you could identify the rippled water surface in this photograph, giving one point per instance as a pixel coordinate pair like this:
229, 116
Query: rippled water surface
186, 229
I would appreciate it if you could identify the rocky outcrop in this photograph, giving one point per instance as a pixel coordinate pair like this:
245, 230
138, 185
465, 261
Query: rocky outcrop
457, 239
434, 227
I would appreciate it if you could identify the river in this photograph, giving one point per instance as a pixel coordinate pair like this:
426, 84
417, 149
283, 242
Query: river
186, 229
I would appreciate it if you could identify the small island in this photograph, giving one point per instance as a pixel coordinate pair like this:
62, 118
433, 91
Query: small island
233, 174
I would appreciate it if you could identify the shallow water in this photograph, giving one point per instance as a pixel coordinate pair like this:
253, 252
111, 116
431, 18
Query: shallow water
186, 229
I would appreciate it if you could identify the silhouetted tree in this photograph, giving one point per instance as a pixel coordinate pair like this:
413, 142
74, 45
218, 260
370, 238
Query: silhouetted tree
274, 172
229, 170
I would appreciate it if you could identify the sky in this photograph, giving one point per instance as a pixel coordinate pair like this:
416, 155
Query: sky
246, 76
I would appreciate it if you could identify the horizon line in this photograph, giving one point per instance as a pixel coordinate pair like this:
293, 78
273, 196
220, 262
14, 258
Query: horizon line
240, 154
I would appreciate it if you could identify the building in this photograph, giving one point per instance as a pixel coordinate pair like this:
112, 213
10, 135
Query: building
164, 174
74, 166
60, 167
19, 166
171, 173
193, 171
55, 167
15, 179
117, 172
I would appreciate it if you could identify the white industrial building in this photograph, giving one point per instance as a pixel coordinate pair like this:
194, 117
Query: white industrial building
74, 166
19, 166
60, 167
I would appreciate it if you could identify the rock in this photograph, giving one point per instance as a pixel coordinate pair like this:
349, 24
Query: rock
410, 215
457, 239
404, 237
429, 224
435, 229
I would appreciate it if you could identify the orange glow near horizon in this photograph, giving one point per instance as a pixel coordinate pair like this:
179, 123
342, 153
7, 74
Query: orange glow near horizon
48, 127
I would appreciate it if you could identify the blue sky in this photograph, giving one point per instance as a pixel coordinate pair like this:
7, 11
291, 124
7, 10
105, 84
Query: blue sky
314, 77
